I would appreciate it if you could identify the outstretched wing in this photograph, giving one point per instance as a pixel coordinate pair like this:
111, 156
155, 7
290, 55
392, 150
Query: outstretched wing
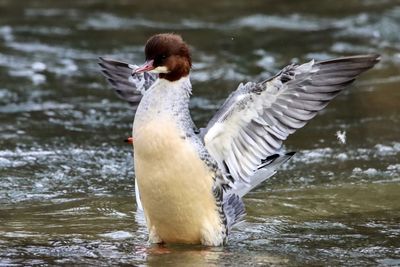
255, 119
126, 84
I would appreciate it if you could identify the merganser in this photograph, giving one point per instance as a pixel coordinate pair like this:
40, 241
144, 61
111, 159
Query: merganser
191, 181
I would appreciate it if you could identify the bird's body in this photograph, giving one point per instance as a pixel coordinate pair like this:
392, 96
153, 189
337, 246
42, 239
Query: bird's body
191, 182
174, 185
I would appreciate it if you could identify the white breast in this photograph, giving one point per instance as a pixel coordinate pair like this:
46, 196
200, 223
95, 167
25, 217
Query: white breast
175, 185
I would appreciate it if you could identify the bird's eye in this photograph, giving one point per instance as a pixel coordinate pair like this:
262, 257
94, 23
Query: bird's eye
160, 59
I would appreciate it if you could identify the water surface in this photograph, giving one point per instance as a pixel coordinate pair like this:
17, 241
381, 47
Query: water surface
67, 178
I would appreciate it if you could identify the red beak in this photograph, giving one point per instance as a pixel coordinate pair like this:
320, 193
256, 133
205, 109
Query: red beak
147, 66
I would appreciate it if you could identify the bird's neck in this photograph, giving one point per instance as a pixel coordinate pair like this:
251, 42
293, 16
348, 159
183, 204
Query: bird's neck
172, 89
165, 98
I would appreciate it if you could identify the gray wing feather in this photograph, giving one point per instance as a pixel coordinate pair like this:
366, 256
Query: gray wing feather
233, 206
234, 210
126, 84
255, 119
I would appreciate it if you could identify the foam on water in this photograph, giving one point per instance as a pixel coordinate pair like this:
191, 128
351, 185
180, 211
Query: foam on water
292, 22
71, 170
51, 12
44, 30
119, 235
6, 33
106, 21
323, 154
31, 107
375, 27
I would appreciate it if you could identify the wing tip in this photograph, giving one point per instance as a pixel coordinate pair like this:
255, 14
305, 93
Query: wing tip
291, 153
104, 60
372, 58
115, 63
276, 158
270, 158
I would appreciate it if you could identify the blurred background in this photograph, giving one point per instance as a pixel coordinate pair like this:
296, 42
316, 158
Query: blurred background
67, 178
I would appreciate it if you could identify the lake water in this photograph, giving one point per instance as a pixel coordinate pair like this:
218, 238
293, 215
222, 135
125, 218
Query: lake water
67, 178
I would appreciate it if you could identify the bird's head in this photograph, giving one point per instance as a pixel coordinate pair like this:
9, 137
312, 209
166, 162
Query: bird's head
168, 55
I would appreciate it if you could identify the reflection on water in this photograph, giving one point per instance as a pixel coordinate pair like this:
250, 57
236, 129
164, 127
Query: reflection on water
66, 176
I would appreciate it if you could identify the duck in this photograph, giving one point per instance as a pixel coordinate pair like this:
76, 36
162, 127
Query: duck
190, 182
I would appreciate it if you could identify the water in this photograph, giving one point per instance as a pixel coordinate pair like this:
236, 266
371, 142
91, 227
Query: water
66, 176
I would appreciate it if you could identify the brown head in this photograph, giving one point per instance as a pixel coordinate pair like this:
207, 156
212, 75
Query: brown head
168, 55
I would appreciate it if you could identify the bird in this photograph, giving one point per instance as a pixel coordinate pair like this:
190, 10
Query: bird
191, 181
